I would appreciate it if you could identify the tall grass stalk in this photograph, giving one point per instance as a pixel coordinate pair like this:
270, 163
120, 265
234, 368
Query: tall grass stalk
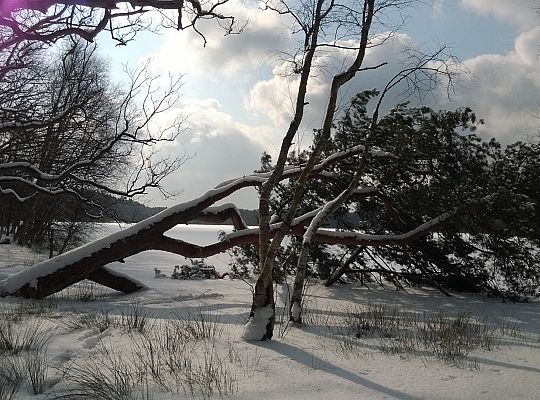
440, 336
14, 339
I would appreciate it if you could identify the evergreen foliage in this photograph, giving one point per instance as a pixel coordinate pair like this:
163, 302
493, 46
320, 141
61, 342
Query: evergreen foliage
491, 244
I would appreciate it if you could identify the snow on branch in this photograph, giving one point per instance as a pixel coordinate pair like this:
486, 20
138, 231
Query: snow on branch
63, 270
87, 261
30, 169
48, 21
319, 169
354, 238
12, 192
251, 236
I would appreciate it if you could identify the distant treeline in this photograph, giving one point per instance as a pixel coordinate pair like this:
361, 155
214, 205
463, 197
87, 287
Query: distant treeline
128, 210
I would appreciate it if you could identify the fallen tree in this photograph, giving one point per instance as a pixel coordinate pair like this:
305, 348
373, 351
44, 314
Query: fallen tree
90, 260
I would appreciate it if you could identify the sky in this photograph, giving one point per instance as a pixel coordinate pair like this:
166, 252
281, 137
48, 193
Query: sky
238, 101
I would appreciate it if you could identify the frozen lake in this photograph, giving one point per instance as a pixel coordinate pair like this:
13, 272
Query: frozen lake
144, 263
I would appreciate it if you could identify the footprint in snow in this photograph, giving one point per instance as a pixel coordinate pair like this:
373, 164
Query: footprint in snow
365, 372
89, 333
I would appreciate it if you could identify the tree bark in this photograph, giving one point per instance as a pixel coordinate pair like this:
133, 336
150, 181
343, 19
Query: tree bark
338, 273
295, 311
106, 277
263, 295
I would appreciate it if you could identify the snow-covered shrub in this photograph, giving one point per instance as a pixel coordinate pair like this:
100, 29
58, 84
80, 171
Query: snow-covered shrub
25, 368
85, 291
15, 339
106, 375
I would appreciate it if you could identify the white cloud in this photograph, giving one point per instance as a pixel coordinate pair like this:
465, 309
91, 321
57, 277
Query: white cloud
505, 90
207, 120
220, 149
225, 55
275, 97
520, 12
438, 8
527, 47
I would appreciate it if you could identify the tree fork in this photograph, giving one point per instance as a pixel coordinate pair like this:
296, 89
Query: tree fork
56, 274
263, 296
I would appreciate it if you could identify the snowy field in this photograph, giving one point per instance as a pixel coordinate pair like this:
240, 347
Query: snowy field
181, 339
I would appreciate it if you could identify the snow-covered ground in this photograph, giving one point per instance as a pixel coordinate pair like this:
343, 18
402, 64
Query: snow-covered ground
181, 339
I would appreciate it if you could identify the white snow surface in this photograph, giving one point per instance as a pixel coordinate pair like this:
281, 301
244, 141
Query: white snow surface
305, 363
256, 325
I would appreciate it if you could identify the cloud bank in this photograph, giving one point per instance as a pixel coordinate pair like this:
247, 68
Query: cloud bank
230, 130
520, 12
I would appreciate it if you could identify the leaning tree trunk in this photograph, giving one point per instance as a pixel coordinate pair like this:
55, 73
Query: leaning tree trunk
59, 272
342, 269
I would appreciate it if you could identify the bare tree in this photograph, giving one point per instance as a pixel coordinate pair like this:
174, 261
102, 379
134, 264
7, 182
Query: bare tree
27, 28
69, 134
324, 24
47, 21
